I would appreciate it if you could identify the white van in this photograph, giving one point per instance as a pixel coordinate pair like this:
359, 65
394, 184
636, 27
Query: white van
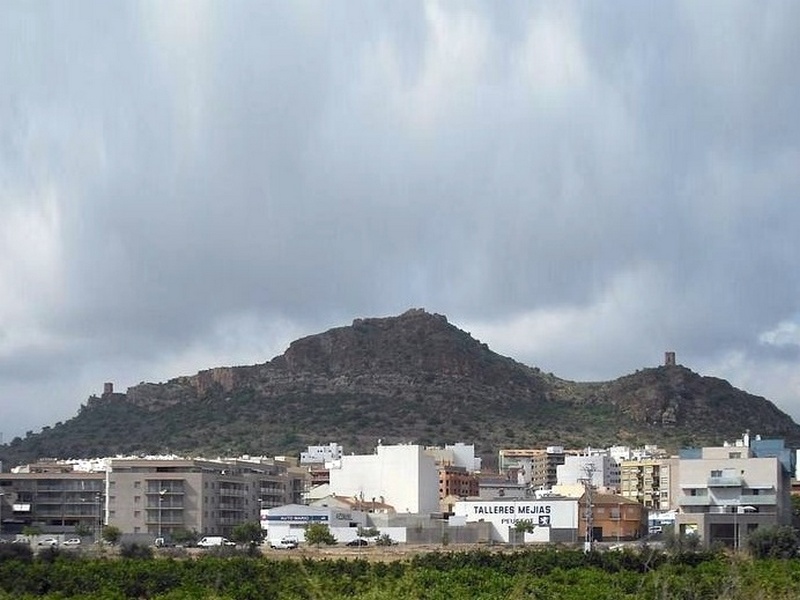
210, 541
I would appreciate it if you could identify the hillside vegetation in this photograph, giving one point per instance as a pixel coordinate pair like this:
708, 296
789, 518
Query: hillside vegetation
410, 378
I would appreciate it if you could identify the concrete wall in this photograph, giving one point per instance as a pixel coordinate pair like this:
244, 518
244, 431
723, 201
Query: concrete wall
404, 477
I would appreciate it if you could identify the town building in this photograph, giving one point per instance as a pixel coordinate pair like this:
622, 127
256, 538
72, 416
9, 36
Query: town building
403, 476
319, 455
146, 497
597, 469
727, 492
54, 497
456, 483
613, 517
456, 455
551, 519
648, 481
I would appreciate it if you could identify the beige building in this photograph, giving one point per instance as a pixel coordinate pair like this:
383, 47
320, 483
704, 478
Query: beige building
53, 497
148, 496
648, 481
728, 492
537, 466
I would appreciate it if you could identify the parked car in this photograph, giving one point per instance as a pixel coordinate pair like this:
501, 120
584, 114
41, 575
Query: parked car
357, 542
287, 542
211, 541
72, 542
48, 541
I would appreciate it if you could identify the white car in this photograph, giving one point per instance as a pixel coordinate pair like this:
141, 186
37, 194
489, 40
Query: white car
72, 542
285, 543
49, 541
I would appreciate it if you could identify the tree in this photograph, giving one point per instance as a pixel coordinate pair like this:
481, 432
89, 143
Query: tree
676, 543
248, 533
795, 511
524, 526
31, 530
319, 533
111, 534
384, 540
367, 532
773, 542
184, 537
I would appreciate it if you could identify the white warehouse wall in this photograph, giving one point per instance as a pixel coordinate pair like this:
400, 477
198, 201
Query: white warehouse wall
403, 476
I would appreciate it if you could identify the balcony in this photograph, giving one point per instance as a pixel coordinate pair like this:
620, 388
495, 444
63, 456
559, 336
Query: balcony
694, 501
759, 500
725, 481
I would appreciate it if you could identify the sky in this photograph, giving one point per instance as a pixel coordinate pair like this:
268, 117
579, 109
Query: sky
581, 185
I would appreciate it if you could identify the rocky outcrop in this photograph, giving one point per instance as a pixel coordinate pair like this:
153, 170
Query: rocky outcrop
410, 377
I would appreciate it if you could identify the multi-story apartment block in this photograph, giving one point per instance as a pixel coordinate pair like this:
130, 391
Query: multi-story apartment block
456, 455
319, 455
148, 496
648, 481
457, 481
727, 492
598, 470
544, 467
52, 496
536, 466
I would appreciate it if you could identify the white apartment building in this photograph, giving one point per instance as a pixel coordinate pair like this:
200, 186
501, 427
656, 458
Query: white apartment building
403, 476
456, 455
601, 470
319, 455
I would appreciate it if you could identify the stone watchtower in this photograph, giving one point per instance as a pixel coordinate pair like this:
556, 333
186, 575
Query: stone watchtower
669, 359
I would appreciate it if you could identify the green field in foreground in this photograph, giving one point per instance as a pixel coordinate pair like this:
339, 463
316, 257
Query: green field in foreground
542, 574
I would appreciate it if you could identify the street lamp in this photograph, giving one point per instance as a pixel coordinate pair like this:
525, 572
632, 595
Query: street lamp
739, 509
99, 517
160, 501
2, 500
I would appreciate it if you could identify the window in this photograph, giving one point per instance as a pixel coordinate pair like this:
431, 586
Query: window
137, 484
716, 473
734, 455
137, 514
137, 499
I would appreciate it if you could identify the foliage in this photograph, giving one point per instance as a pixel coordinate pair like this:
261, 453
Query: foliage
384, 540
319, 533
524, 526
185, 537
676, 543
31, 530
137, 551
795, 499
20, 552
83, 530
367, 532
557, 574
773, 542
111, 534
248, 533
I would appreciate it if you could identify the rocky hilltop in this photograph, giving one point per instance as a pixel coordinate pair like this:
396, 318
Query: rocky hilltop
414, 377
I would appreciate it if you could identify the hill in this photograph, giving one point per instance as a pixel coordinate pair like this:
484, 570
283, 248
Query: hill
414, 377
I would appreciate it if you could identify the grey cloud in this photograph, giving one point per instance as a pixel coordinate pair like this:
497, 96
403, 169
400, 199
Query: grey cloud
317, 166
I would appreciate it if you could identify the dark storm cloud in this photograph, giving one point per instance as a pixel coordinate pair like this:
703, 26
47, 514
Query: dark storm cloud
193, 184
